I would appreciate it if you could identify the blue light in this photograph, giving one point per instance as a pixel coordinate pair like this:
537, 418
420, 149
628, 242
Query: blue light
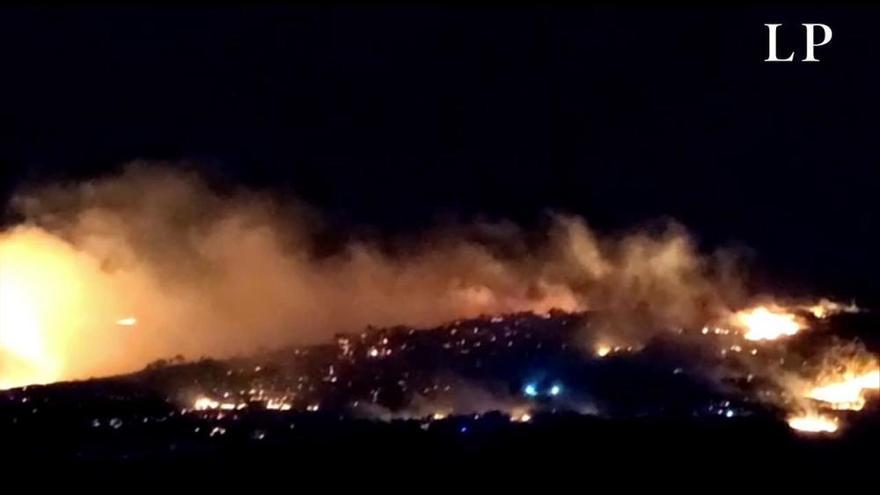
530, 390
463, 429
555, 390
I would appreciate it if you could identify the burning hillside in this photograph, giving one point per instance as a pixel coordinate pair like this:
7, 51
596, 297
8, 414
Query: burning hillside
520, 366
106, 276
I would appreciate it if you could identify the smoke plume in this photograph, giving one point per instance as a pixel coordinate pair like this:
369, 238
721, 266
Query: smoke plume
204, 272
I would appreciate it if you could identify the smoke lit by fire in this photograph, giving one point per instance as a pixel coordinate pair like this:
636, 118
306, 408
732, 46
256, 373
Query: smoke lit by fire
155, 263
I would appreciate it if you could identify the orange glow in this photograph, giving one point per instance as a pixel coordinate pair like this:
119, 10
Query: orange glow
205, 403
39, 293
521, 418
59, 312
763, 323
848, 391
813, 423
825, 308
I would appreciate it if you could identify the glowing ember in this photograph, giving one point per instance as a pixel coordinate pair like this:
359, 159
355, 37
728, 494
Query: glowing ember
127, 322
278, 405
849, 392
762, 323
521, 418
205, 403
813, 423
208, 404
604, 350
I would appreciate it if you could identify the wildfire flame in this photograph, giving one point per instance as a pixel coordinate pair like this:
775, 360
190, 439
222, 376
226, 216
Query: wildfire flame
813, 423
205, 403
848, 392
37, 289
765, 323
825, 308
57, 311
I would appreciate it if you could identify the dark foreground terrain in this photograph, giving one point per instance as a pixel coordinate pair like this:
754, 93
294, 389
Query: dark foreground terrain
564, 444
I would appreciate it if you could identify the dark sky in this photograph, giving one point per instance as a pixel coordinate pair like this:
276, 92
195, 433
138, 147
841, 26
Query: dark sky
393, 117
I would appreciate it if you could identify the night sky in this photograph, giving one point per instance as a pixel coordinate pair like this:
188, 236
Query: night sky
395, 117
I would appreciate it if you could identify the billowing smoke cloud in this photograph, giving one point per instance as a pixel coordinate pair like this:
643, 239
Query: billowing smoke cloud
206, 272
